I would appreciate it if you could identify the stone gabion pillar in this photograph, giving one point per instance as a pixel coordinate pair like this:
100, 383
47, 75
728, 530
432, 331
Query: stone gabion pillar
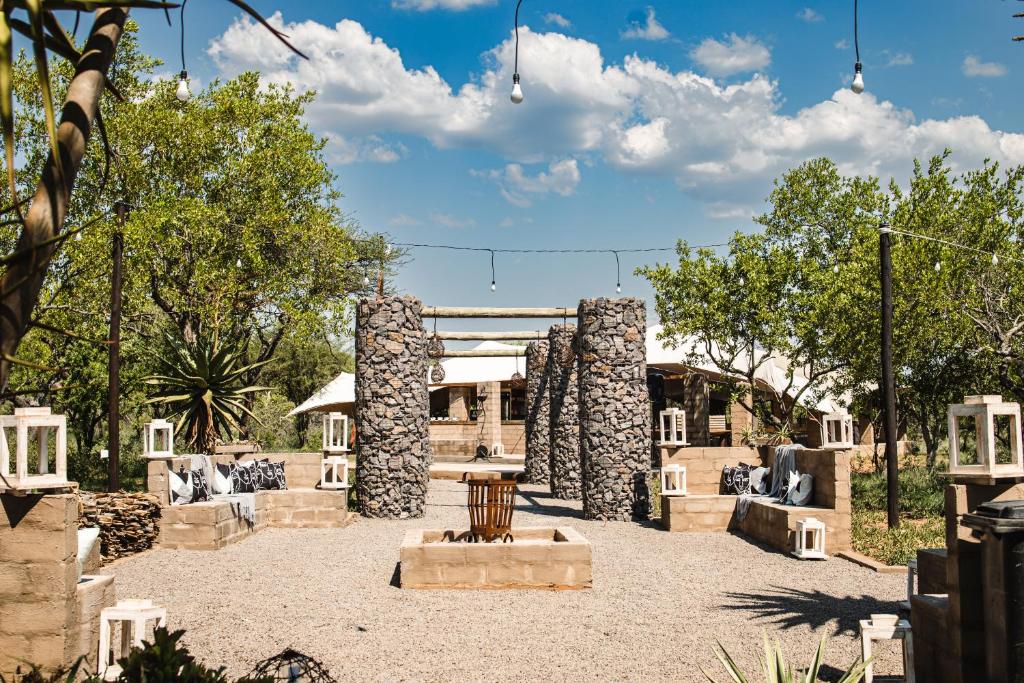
538, 413
392, 408
565, 424
615, 412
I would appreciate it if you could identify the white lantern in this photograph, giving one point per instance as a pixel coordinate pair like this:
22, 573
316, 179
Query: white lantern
812, 548
837, 431
673, 427
985, 410
335, 433
334, 472
158, 440
22, 424
673, 480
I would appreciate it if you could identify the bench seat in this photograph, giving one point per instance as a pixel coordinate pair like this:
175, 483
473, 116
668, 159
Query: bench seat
766, 521
214, 524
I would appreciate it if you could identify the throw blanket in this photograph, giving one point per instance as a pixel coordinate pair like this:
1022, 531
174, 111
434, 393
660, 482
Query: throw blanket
784, 467
243, 505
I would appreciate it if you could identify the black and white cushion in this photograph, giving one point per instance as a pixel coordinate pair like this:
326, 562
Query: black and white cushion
187, 486
222, 478
280, 482
244, 478
265, 479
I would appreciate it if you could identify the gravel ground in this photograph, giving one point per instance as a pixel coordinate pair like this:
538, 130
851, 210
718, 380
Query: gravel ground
659, 603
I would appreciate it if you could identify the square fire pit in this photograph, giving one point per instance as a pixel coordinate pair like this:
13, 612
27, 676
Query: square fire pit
539, 557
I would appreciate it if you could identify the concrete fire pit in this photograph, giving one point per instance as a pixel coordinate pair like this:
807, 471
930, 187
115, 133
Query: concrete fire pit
539, 557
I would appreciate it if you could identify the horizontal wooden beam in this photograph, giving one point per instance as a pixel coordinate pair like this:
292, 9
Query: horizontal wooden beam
456, 312
493, 336
485, 353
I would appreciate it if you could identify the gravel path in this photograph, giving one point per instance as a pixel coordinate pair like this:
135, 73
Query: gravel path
659, 603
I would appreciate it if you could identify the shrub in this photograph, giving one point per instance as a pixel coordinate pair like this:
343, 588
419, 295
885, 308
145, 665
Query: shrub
922, 491
775, 669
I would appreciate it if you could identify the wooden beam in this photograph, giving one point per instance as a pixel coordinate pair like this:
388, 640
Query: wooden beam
493, 336
485, 353
457, 312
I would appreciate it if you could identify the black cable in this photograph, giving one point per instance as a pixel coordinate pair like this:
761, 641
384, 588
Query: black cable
515, 68
412, 245
181, 21
856, 38
618, 272
493, 281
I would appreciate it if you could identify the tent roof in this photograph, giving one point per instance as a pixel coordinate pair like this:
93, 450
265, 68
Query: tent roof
340, 390
488, 369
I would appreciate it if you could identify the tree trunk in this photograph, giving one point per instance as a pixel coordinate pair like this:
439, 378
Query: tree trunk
23, 279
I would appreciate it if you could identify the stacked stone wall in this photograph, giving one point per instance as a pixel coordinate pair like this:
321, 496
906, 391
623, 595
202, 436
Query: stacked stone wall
615, 413
565, 426
392, 408
537, 468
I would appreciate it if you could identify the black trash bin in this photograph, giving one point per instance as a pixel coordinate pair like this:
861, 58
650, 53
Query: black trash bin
1000, 526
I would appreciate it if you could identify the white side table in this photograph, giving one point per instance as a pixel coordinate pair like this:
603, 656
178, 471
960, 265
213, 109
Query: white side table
133, 615
337, 465
887, 627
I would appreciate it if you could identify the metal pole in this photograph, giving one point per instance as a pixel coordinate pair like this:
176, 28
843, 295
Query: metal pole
114, 366
888, 380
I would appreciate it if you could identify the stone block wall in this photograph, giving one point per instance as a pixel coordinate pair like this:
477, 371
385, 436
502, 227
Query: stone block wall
301, 470
392, 408
537, 468
615, 414
704, 465
564, 428
38, 581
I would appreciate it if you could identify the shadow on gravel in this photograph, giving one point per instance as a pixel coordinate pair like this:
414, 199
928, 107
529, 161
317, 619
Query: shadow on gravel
789, 607
536, 507
396, 576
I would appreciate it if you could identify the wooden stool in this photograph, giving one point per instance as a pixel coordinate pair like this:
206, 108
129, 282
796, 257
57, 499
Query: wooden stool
133, 616
887, 627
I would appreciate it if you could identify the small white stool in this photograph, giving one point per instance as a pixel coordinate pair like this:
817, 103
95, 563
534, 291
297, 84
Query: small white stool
673, 480
887, 627
911, 584
332, 463
498, 450
133, 615
816, 550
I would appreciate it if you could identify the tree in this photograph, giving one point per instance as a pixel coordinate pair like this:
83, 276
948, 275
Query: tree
42, 224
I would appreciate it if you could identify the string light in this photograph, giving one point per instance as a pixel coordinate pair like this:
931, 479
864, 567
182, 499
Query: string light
182, 92
494, 286
618, 274
858, 77
938, 266
835, 269
517, 91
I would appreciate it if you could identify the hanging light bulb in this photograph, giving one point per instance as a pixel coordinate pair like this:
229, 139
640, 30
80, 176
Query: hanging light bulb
494, 287
938, 266
618, 289
238, 263
183, 93
366, 280
517, 90
858, 79
835, 269
78, 236
743, 281
995, 260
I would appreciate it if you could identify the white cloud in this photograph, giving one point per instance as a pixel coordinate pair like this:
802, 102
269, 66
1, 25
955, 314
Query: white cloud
424, 5
975, 68
736, 55
450, 221
648, 28
506, 222
342, 150
842, 44
898, 58
722, 143
809, 15
556, 19
404, 221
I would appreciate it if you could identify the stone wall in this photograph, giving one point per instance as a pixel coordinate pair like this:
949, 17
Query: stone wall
537, 468
704, 465
565, 419
392, 408
615, 414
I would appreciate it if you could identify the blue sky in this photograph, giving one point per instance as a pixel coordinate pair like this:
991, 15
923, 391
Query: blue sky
643, 122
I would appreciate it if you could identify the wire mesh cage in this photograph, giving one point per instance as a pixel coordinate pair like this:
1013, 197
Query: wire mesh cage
518, 381
564, 353
436, 373
435, 347
292, 667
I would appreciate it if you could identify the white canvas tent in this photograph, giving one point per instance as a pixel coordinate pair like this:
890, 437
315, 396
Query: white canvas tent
339, 393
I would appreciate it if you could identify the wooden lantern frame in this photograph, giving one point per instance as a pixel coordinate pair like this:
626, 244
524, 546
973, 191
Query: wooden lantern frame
156, 430
837, 424
984, 410
672, 427
331, 443
23, 421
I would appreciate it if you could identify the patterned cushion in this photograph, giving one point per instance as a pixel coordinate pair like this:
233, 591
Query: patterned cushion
280, 482
265, 477
222, 478
244, 478
187, 486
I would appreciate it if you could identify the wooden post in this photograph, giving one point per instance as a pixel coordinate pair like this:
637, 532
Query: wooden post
457, 312
493, 336
888, 380
114, 354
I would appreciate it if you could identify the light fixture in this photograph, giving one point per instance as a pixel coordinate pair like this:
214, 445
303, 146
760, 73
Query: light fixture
494, 284
743, 281
835, 269
517, 90
238, 263
858, 76
938, 266
995, 260
366, 280
618, 274
182, 93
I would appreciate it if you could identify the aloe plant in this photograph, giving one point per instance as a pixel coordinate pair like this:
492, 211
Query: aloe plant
776, 670
203, 386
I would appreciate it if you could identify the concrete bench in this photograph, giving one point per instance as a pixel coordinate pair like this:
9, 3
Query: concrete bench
215, 524
708, 509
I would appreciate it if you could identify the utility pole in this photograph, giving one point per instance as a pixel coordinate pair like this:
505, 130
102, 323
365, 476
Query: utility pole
888, 380
114, 364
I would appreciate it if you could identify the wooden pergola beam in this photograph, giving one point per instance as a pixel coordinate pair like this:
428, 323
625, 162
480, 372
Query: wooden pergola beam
485, 353
457, 312
493, 336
